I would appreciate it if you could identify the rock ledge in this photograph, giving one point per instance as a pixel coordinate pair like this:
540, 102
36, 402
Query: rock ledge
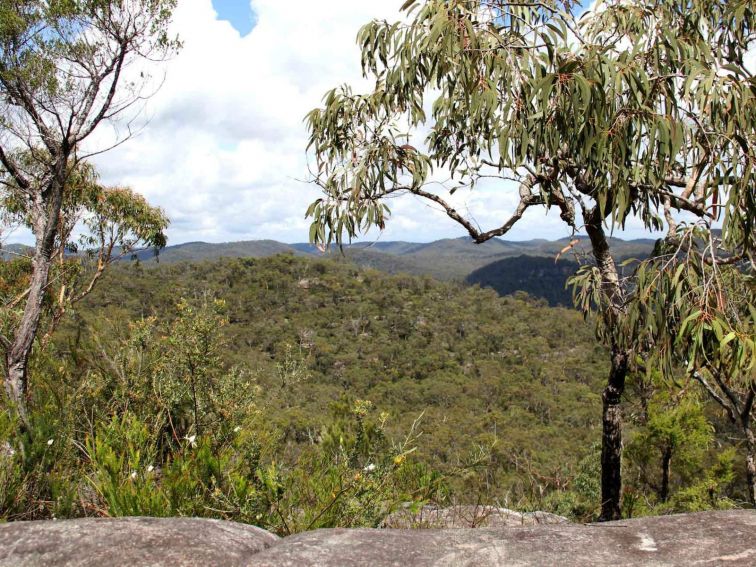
710, 538
103, 542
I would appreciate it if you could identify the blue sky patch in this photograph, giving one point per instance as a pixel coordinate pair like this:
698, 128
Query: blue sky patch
238, 13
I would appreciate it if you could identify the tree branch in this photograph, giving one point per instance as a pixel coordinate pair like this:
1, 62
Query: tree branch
715, 396
527, 199
14, 171
18, 93
727, 391
115, 68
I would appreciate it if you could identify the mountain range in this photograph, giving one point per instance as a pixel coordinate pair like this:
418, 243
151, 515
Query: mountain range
539, 267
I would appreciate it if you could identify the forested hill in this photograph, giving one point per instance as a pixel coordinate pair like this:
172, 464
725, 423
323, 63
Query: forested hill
452, 258
534, 266
506, 266
509, 374
539, 276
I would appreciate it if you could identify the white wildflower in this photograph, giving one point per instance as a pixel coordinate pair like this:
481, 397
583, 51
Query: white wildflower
7, 450
150, 469
369, 468
237, 429
192, 440
49, 442
133, 475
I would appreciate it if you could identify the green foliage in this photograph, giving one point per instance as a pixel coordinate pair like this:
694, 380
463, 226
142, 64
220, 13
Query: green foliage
510, 372
119, 217
685, 307
518, 378
709, 316
35, 36
582, 497
60, 66
353, 477
38, 477
669, 447
681, 429
213, 476
709, 490
162, 426
693, 308
350, 476
639, 110
172, 374
506, 388
618, 107
14, 280
113, 221
121, 454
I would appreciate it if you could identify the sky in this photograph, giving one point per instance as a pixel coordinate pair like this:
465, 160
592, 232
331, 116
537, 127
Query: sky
222, 148
238, 13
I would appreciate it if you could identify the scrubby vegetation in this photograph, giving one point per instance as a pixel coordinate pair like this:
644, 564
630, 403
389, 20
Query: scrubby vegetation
300, 393
295, 394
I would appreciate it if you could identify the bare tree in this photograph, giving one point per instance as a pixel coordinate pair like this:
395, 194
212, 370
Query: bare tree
66, 67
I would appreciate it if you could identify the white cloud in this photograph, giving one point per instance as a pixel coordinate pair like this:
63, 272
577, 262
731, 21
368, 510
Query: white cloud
224, 149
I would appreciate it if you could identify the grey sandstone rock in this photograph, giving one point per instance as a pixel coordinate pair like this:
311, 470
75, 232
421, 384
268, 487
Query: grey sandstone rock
708, 539
131, 541
468, 517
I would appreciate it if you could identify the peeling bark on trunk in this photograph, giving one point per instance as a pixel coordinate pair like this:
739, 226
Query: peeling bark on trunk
46, 213
16, 384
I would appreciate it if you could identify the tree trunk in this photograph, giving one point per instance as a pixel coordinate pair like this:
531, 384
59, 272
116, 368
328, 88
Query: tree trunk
751, 464
666, 461
17, 357
611, 442
46, 214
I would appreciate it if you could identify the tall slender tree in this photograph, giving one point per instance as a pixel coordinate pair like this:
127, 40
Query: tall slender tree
113, 223
634, 110
66, 67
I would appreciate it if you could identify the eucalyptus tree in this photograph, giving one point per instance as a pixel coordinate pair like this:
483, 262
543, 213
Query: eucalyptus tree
695, 308
66, 67
674, 435
635, 110
111, 223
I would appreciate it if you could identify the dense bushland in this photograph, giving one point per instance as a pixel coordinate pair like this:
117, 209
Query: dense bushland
295, 394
